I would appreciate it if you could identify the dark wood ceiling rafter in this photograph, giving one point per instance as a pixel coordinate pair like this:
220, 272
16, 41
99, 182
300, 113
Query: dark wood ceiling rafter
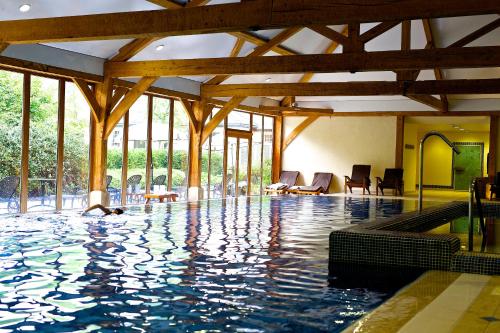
242, 16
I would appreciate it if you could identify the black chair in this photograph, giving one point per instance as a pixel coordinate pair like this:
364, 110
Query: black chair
8, 188
495, 187
393, 178
360, 177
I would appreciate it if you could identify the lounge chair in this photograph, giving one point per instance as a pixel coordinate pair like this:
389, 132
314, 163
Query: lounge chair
320, 184
360, 178
393, 178
8, 187
287, 179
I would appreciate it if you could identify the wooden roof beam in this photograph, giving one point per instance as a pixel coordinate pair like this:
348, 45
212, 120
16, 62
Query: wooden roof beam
470, 57
130, 98
477, 34
438, 73
370, 88
261, 50
246, 15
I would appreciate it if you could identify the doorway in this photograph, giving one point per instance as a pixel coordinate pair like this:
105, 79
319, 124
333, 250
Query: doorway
237, 155
468, 164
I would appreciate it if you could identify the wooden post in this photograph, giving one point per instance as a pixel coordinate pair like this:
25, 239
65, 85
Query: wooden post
60, 144
277, 148
195, 191
492, 160
124, 175
170, 144
25, 132
400, 138
98, 142
149, 152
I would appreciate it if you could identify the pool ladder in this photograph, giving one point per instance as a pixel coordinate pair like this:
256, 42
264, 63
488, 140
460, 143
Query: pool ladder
474, 192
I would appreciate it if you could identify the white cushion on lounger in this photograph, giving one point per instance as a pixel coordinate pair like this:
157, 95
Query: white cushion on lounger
277, 186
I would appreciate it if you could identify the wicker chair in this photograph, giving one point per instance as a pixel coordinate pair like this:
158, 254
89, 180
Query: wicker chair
158, 181
8, 188
132, 187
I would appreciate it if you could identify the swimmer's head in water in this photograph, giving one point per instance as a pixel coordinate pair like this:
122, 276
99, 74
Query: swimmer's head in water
118, 211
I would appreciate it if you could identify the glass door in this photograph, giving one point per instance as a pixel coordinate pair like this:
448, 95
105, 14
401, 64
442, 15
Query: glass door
237, 167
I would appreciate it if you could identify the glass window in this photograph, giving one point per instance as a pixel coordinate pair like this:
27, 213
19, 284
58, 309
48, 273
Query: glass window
76, 148
257, 139
137, 138
181, 148
115, 163
43, 144
268, 150
238, 120
159, 143
11, 106
217, 161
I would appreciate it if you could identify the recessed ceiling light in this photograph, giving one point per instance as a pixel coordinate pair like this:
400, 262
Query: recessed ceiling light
268, 79
462, 129
24, 8
160, 47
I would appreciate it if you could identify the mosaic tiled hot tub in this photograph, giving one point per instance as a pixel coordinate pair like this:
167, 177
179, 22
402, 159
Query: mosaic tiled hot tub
402, 243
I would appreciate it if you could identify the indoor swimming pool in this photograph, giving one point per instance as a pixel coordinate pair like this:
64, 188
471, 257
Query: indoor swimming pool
252, 265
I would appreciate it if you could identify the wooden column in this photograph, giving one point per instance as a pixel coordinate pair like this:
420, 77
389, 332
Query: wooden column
492, 157
400, 138
170, 144
149, 157
277, 148
25, 142
98, 143
60, 144
195, 144
124, 175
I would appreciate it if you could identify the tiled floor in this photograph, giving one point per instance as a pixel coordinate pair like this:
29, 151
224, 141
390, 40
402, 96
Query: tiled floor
439, 302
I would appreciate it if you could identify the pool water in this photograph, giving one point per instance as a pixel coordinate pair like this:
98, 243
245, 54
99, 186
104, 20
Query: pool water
246, 265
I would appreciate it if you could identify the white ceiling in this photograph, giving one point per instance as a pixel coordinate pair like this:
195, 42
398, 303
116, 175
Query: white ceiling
446, 31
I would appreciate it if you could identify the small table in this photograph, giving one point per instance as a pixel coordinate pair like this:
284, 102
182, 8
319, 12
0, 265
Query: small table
170, 196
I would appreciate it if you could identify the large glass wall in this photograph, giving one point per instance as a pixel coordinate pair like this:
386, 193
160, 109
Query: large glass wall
43, 144
76, 148
169, 148
181, 149
11, 106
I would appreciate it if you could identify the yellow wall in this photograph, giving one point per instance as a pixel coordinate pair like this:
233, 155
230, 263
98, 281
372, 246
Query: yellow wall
437, 155
410, 157
335, 144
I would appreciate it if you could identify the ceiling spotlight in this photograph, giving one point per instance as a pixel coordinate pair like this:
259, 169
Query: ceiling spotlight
160, 47
24, 8
462, 129
268, 80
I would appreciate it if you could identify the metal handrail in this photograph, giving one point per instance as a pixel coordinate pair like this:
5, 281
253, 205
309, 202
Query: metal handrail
474, 192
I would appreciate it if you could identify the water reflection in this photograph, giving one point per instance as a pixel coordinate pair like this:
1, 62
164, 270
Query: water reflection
239, 264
